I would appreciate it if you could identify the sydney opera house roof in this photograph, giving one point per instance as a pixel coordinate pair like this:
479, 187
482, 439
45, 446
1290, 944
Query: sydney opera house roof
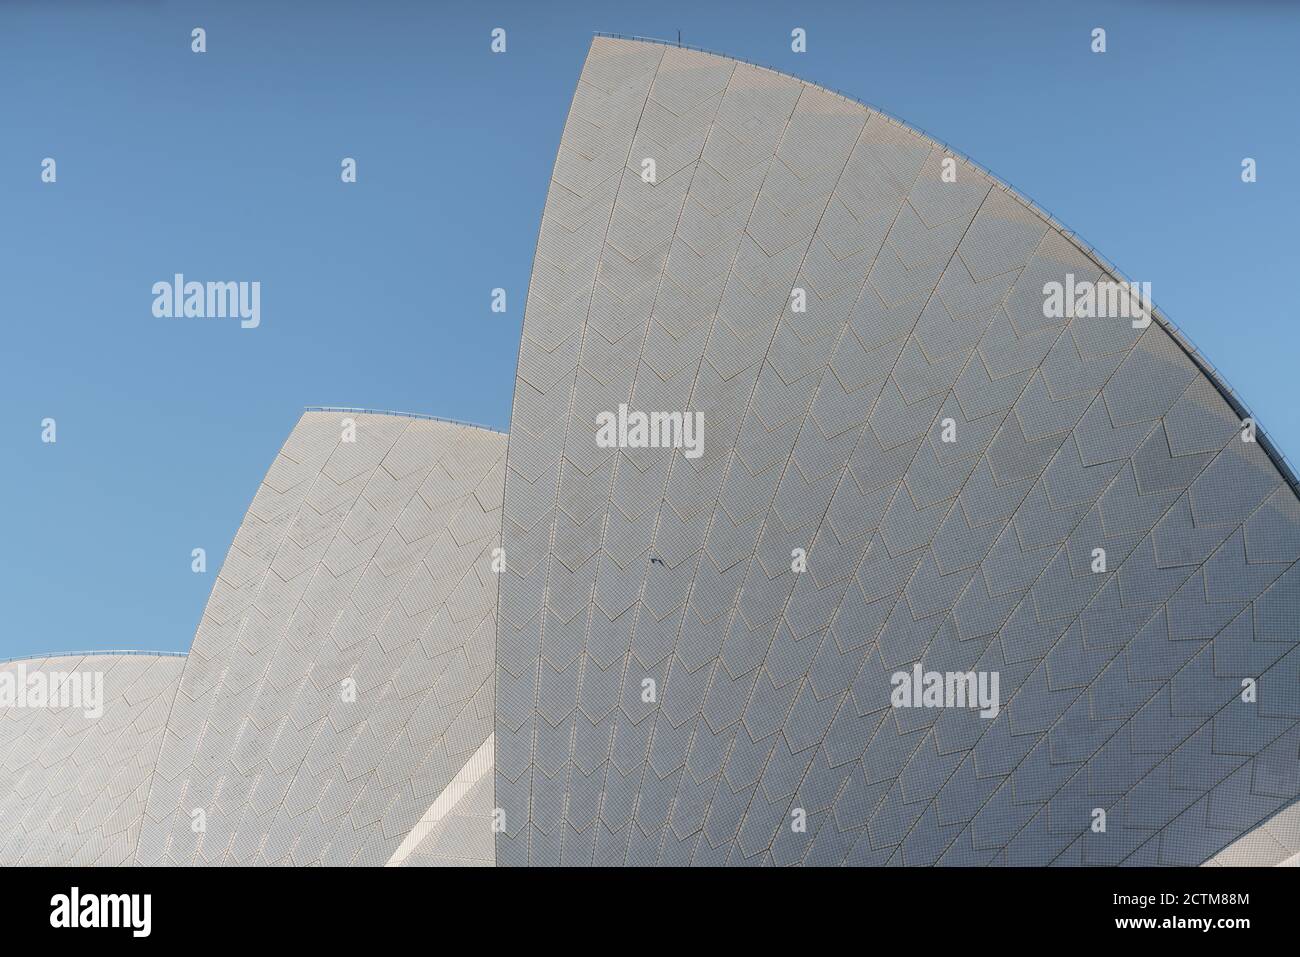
695, 653
424, 648
336, 704
73, 779
341, 676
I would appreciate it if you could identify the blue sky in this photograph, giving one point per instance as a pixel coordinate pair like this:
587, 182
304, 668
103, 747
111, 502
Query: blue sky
225, 165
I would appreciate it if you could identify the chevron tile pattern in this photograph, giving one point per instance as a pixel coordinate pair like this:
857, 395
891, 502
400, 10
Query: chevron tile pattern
695, 654
73, 785
342, 671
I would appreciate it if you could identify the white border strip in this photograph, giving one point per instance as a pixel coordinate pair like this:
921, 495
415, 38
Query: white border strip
479, 764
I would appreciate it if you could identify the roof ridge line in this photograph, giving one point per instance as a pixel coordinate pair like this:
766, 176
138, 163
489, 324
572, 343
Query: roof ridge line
404, 415
87, 654
1181, 339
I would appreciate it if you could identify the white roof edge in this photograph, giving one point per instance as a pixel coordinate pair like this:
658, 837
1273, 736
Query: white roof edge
1180, 338
404, 415
104, 653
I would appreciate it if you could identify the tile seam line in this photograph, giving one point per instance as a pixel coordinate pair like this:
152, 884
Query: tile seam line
1010, 523
845, 328
997, 636
282, 632
951, 393
609, 503
852, 579
672, 461
1172, 333
486, 541
170, 815
450, 452
749, 406
1230, 395
468, 702
663, 500
690, 395
867, 425
505, 490
866, 283
569, 412
1078, 617
1158, 833
862, 291
1061, 546
654, 536
84, 772
982, 457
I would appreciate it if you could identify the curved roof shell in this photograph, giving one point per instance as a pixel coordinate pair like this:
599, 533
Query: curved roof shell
340, 678
73, 779
671, 689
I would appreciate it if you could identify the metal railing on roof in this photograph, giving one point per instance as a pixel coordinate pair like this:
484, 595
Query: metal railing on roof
401, 415
99, 653
1184, 341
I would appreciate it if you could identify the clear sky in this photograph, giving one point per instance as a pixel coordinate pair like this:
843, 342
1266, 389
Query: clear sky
225, 166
